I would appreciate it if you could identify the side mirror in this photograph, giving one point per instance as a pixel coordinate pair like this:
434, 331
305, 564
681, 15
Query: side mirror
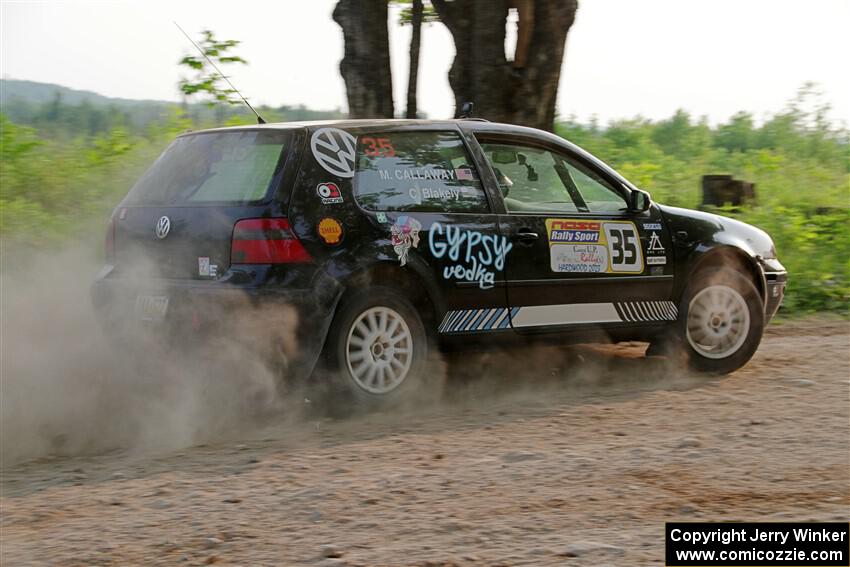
639, 201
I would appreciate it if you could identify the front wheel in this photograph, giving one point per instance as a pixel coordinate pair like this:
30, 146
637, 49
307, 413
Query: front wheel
722, 321
377, 347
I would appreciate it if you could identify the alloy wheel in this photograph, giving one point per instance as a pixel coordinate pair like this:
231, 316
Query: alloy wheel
718, 321
379, 350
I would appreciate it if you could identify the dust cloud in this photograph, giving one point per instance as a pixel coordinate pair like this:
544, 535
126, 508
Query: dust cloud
69, 389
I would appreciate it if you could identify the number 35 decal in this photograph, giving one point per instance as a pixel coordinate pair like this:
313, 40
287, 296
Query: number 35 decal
377, 147
624, 247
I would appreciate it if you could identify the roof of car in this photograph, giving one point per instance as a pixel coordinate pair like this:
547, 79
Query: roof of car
476, 124
473, 123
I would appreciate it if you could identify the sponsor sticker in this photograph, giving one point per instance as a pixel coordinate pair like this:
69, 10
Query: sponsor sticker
382, 217
329, 193
652, 226
656, 260
404, 234
572, 230
655, 246
464, 174
472, 256
205, 269
608, 246
330, 231
589, 258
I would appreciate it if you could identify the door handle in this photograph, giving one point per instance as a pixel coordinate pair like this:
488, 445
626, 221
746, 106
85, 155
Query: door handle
525, 236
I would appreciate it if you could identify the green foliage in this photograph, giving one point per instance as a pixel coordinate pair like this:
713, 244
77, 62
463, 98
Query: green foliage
797, 159
53, 188
429, 14
206, 79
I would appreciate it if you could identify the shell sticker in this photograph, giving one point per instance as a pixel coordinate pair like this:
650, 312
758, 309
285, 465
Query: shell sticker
330, 231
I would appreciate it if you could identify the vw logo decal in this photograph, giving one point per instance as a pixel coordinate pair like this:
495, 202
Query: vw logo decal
334, 149
163, 225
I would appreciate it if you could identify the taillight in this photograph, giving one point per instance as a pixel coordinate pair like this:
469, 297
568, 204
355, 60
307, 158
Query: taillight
109, 243
266, 241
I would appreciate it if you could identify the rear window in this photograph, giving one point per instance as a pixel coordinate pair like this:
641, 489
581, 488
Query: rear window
417, 172
220, 167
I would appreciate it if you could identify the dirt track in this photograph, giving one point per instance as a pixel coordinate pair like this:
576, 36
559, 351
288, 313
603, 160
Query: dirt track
578, 466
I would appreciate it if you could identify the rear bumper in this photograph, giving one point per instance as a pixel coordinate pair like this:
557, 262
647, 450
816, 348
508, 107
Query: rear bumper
274, 318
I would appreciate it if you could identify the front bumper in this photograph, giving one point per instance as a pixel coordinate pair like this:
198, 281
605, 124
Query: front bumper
271, 318
775, 282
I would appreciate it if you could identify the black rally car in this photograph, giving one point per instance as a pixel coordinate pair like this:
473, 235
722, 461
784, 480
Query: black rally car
391, 238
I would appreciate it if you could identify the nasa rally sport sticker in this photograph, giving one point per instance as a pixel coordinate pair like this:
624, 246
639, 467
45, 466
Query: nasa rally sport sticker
329, 193
330, 231
593, 246
334, 150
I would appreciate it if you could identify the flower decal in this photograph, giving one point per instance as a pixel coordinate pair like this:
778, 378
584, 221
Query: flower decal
405, 233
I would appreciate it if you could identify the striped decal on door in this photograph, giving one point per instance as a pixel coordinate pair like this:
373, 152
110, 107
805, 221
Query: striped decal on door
473, 320
498, 318
643, 311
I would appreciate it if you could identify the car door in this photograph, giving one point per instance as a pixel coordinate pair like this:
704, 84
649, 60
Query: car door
424, 198
580, 257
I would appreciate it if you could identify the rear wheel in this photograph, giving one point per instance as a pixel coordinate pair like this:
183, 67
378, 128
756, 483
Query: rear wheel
377, 348
722, 321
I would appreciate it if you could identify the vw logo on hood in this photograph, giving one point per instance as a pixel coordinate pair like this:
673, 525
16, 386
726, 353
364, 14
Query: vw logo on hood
163, 225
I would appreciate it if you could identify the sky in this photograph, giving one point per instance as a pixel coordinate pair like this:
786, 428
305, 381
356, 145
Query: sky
623, 57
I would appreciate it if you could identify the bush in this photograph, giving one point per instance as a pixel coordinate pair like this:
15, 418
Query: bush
798, 161
57, 185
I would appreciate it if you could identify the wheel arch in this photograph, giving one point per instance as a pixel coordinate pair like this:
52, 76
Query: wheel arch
412, 280
723, 256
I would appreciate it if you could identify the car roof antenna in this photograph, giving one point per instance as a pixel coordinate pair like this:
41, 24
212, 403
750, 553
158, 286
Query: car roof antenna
466, 110
220, 74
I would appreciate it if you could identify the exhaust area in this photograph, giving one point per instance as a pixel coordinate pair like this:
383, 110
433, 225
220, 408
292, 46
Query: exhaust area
69, 389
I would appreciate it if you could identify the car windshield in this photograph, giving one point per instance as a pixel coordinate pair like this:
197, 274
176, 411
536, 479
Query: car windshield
216, 167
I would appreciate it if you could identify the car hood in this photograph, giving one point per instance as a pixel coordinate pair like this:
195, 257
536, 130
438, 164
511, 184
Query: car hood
705, 228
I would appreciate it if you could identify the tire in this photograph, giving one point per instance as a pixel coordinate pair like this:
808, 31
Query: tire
721, 323
376, 351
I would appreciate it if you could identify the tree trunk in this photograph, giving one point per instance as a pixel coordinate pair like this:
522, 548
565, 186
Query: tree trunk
482, 74
415, 40
365, 66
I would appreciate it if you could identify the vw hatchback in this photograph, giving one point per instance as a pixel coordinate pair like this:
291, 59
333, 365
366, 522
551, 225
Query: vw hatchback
391, 238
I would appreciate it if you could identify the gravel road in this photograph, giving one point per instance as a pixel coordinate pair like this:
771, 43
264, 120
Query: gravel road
576, 459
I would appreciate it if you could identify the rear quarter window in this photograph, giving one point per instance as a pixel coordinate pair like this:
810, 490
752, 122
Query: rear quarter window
216, 167
417, 172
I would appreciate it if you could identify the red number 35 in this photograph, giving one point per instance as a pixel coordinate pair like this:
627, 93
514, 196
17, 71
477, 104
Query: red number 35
378, 147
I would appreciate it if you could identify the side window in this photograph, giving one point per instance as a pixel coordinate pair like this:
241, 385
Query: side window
417, 172
596, 193
536, 180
